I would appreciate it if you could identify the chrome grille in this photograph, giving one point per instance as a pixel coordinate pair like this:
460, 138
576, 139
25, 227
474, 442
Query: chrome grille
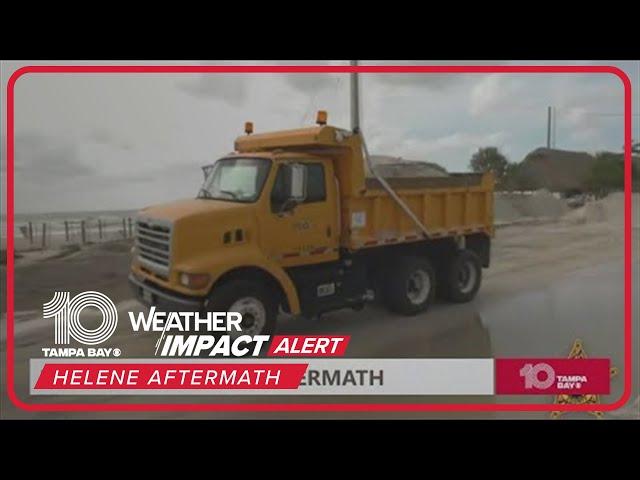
153, 245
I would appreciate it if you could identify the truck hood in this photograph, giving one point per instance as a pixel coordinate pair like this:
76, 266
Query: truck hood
199, 228
196, 207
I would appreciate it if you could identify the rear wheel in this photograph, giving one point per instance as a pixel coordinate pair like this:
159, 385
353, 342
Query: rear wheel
461, 277
410, 285
251, 300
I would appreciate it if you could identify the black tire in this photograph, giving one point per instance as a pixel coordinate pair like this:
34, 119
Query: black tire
404, 292
224, 296
461, 277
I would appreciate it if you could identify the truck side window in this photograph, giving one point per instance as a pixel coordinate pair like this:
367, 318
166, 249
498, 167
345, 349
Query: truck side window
316, 191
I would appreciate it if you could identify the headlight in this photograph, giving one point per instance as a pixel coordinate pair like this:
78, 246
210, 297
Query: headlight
194, 280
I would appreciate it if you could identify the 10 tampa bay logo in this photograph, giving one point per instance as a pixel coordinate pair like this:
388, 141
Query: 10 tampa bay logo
65, 311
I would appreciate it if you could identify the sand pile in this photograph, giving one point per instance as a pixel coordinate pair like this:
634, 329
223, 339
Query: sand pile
393, 167
510, 207
609, 209
516, 207
503, 210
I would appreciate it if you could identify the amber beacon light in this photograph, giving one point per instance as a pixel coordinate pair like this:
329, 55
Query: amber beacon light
321, 117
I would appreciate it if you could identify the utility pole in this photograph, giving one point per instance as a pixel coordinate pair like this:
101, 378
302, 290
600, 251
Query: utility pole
355, 100
555, 127
548, 127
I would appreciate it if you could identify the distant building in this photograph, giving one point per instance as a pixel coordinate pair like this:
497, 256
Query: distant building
563, 171
558, 170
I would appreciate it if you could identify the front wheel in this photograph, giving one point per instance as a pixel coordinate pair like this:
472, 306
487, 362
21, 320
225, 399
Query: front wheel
410, 285
251, 300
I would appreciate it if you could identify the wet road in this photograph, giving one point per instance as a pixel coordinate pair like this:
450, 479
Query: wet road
531, 320
588, 305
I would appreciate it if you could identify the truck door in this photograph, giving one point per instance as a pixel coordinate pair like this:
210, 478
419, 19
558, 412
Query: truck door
303, 230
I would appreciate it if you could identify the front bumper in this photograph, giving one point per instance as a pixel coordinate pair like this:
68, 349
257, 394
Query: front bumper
150, 294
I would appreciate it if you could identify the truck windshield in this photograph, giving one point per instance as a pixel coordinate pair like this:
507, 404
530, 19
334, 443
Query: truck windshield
235, 179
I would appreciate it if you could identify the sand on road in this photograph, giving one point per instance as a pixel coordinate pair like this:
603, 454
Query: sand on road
539, 272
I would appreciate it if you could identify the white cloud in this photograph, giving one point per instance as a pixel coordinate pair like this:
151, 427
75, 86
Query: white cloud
494, 92
578, 117
176, 123
467, 141
310, 83
229, 88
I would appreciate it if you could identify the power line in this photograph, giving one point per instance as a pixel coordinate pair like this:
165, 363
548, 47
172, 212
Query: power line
598, 114
595, 113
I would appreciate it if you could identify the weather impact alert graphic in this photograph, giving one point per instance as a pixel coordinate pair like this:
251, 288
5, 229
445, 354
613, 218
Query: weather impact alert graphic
209, 354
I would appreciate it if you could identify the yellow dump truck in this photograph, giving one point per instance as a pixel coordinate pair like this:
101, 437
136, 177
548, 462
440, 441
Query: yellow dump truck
290, 220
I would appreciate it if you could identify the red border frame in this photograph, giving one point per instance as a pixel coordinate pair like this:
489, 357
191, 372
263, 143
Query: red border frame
318, 69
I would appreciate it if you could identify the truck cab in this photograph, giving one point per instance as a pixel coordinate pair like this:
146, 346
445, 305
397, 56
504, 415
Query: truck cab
254, 216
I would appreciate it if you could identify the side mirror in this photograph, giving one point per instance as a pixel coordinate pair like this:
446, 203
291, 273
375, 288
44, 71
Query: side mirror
290, 188
288, 206
298, 182
206, 170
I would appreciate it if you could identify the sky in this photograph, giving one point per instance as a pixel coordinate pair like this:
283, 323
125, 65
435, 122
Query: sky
102, 142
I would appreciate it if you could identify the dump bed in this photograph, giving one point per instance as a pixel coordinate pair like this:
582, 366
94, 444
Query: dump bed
450, 205
457, 204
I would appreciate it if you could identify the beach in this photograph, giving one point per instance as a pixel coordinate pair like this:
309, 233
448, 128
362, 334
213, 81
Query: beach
37, 231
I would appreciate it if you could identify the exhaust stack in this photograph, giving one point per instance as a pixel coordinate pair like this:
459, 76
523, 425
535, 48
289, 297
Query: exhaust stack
355, 100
